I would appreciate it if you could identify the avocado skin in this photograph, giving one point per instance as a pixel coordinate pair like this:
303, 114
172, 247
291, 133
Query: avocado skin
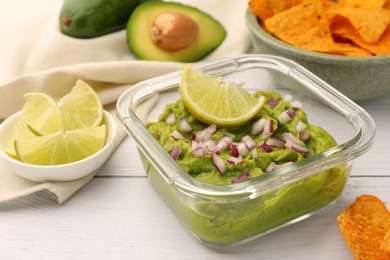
211, 33
93, 18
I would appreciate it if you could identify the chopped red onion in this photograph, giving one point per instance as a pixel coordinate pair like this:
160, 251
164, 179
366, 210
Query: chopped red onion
205, 134
288, 98
176, 135
242, 177
291, 139
300, 126
185, 126
273, 102
234, 160
234, 151
268, 129
295, 144
258, 126
209, 146
242, 149
300, 149
263, 145
286, 116
223, 144
211, 129
218, 162
274, 141
273, 166
170, 120
296, 105
198, 151
304, 135
249, 142
175, 152
254, 154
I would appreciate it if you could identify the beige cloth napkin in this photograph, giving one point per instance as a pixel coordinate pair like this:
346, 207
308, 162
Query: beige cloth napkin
42, 59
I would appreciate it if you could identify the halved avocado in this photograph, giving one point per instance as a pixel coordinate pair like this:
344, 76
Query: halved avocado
209, 33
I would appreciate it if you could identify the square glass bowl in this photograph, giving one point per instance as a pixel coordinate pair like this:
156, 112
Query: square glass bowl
225, 215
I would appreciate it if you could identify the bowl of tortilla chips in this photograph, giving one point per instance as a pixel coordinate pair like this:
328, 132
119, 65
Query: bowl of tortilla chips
345, 42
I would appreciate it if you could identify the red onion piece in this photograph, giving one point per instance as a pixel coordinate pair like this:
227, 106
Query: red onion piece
296, 105
299, 149
295, 144
176, 135
205, 134
304, 135
288, 98
242, 149
175, 152
209, 146
285, 116
272, 102
249, 142
234, 160
254, 154
268, 129
170, 120
273, 141
234, 151
223, 144
263, 145
242, 177
185, 126
198, 151
300, 126
258, 126
218, 162
291, 139
273, 166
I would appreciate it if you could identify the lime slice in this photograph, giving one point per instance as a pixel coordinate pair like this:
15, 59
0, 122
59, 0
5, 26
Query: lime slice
81, 107
41, 112
61, 148
212, 101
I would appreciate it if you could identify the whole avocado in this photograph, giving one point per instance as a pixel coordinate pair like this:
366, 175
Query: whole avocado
93, 18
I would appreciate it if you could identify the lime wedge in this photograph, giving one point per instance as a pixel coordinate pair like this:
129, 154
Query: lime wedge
81, 107
212, 101
59, 148
41, 112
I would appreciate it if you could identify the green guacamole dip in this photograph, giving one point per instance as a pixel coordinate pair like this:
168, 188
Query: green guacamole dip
278, 135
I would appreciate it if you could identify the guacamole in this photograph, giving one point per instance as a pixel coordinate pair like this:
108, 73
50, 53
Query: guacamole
278, 135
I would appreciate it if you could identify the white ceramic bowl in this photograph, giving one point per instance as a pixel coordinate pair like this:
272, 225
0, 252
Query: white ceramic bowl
64, 172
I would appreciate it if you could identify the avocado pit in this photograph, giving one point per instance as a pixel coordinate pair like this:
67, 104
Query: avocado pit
173, 31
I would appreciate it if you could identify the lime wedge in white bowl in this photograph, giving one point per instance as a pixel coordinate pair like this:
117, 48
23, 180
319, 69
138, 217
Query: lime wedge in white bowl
59, 172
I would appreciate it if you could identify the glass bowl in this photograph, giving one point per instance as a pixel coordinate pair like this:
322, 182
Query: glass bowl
226, 215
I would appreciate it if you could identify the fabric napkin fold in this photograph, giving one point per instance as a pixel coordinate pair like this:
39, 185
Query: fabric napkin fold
49, 61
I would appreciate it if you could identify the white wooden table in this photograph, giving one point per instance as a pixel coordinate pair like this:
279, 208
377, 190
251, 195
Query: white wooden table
118, 215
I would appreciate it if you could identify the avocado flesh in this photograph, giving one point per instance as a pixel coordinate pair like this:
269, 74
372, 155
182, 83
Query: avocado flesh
93, 18
211, 33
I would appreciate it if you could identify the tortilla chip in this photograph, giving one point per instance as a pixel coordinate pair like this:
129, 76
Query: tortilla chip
381, 47
387, 4
386, 242
348, 49
370, 24
364, 225
305, 26
372, 4
265, 9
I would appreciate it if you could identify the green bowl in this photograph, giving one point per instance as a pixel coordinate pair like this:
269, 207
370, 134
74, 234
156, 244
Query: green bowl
359, 78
